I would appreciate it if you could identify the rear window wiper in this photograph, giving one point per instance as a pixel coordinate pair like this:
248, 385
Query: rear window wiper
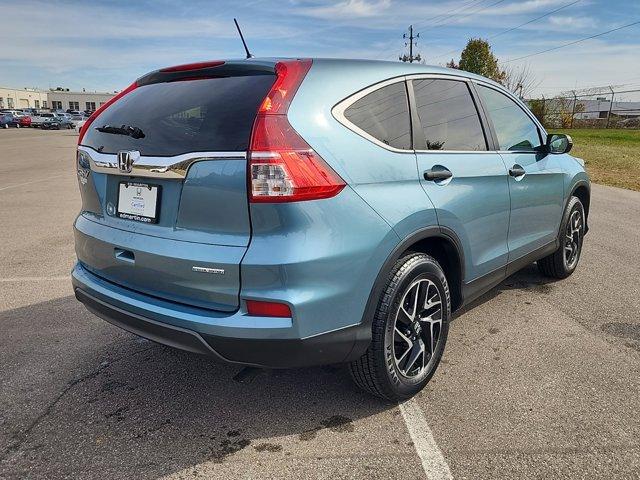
128, 130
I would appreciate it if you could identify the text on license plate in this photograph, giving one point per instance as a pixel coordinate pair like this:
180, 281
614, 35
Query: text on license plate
138, 201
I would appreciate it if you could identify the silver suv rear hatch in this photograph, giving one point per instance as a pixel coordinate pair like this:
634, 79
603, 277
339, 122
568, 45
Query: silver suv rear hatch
162, 174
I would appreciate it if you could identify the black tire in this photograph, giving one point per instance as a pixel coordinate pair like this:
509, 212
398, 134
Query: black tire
378, 371
563, 262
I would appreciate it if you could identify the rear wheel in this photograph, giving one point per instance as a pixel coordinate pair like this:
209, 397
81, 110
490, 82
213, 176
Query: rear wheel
410, 329
563, 262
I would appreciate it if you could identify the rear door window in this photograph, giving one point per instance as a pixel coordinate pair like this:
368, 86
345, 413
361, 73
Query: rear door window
211, 114
384, 114
448, 115
514, 128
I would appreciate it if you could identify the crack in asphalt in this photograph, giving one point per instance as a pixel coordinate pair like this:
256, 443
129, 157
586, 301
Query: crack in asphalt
20, 438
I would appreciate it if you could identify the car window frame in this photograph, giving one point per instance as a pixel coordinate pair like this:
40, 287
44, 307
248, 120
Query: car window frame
419, 131
542, 133
493, 146
338, 113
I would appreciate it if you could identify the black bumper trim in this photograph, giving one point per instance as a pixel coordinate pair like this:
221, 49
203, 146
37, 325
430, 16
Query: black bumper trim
145, 327
328, 348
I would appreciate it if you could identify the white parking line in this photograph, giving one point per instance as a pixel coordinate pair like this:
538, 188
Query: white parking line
433, 462
35, 279
33, 181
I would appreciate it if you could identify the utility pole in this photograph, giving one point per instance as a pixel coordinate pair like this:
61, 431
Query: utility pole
410, 58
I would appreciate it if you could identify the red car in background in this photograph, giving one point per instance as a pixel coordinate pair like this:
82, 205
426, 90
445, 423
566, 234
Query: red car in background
25, 121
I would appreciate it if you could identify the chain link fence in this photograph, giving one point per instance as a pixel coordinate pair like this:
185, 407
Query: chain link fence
605, 107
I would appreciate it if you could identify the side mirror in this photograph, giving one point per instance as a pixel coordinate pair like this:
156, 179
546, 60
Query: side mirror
559, 143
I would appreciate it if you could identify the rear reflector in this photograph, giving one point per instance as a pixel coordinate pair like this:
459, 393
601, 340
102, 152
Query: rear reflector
268, 309
102, 108
282, 166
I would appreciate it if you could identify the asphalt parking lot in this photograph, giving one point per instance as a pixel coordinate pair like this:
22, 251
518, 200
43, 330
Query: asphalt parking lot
540, 379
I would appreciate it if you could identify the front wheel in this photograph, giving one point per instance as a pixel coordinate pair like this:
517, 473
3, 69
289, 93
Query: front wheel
409, 330
563, 262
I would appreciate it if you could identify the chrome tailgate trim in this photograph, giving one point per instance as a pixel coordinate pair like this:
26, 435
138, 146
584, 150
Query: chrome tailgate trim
175, 167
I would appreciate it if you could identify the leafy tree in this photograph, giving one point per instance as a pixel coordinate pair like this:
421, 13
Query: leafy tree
537, 107
478, 58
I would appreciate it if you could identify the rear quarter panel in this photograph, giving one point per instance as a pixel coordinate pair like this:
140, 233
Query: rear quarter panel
385, 180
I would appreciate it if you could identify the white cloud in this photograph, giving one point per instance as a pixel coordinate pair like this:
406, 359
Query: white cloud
347, 9
572, 22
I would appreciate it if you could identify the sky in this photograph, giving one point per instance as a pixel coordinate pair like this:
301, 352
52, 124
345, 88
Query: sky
104, 46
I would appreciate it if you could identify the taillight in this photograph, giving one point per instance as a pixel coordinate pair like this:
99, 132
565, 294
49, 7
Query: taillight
102, 108
282, 166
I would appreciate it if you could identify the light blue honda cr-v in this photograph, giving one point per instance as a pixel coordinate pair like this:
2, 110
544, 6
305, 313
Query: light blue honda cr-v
287, 213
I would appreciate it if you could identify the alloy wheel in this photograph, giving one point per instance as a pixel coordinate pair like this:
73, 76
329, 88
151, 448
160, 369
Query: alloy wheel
417, 328
573, 239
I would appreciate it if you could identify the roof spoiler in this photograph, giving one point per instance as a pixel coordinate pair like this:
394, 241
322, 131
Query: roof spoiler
213, 69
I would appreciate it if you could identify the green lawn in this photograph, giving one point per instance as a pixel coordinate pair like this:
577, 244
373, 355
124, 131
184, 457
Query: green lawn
612, 156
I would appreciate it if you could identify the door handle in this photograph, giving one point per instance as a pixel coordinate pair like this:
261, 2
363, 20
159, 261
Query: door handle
517, 171
439, 174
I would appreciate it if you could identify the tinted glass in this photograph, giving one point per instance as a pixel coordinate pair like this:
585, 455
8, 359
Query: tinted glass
214, 114
384, 114
448, 115
514, 128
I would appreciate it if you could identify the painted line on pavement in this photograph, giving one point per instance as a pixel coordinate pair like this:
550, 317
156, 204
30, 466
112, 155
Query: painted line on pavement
35, 279
433, 462
33, 181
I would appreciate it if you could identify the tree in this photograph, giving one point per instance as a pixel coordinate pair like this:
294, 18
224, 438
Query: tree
537, 107
478, 58
520, 81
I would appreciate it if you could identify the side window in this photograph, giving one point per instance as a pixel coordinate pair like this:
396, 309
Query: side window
448, 115
514, 128
384, 114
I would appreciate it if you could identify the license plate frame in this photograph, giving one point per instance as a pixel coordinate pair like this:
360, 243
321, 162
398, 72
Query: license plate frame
148, 202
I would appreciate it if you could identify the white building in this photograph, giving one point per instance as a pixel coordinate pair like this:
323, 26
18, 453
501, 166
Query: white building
65, 100
23, 98
54, 99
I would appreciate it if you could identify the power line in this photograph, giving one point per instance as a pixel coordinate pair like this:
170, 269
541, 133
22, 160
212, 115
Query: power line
533, 20
466, 15
518, 26
573, 43
462, 8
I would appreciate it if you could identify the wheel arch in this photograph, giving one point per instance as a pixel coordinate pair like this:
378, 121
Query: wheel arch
582, 190
439, 242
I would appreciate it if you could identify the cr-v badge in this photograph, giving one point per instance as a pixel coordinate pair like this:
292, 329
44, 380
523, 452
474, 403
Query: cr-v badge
215, 271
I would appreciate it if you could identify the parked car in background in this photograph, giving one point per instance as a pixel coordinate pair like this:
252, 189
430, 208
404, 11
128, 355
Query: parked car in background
37, 120
56, 123
9, 120
25, 121
30, 111
289, 213
78, 122
75, 113
14, 112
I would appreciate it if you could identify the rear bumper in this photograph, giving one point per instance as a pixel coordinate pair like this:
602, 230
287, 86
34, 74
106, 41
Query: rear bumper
228, 337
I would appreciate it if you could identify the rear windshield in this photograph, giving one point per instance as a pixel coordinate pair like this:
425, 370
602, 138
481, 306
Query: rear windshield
213, 114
